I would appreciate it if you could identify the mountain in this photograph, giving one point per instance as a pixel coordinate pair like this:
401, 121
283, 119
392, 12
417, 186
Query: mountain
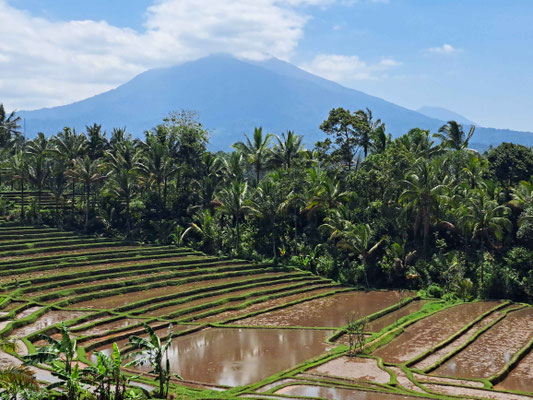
233, 96
444, 115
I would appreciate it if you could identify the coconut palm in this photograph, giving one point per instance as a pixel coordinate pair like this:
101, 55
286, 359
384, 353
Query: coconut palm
88, 172
485, 219
69, 146
452, 136
421, 195
38, 151
234, 202
232, 168
256, 151
18, 169
204, 225
57, 182
154, 352
367, 128
9, 126
327, 195
380, 140
288, 149
123, 185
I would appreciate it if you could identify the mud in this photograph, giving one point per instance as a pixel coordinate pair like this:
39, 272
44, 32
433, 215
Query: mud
430, 331
493, 349
161, 312
332, 311
339, 393
236, 357
27, 312
520, 379
265, 305
50, 318
104, 328
461, 340
471, 392
393, 317
132, 297
355, 368
439, 379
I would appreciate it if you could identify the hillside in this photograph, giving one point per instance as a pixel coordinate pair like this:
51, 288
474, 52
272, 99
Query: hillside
232, 96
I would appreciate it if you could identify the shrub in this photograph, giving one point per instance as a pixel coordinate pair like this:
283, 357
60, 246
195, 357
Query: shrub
435, 291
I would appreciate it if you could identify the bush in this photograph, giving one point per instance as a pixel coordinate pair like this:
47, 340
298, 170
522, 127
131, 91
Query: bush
435, 291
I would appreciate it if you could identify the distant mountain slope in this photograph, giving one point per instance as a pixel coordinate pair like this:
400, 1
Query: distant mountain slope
232, 96
444, 115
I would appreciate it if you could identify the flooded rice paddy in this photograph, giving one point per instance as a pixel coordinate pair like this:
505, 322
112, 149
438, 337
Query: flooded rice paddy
244, 323
331, 311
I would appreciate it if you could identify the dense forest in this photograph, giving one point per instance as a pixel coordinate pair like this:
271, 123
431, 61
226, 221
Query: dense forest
420, 211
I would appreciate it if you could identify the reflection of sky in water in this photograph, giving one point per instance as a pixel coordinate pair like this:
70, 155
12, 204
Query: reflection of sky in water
241, 356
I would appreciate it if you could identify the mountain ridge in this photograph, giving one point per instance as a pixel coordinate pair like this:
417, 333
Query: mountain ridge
232, 96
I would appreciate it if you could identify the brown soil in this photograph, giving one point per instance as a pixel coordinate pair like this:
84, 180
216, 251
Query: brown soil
430, 331
332, 311
162, 312
471, 392
493, 349
439, 379
132, 297
393, 317
50, 318
266, 305
27, 312
404, 381
338, 393
355, 368
521, 377
461, 340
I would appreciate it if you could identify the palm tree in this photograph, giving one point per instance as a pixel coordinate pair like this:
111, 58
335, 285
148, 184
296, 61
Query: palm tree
268, 202
69, 146
288, 149
154, 352
123, 185
234, 203
327, 196
418, 144
60, 355
204, 225
485, 219
366, 129
452, 136
18, 169
232, 168
380, 140
156, 164
256, 151
523, 194
421, 194
57, 183
9, 126
38, 151
88, 172
14, 379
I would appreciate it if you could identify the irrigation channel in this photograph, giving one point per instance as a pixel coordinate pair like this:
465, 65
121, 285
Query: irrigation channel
245, 330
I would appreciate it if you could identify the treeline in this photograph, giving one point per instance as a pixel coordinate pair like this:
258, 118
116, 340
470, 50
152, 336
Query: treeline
421, 211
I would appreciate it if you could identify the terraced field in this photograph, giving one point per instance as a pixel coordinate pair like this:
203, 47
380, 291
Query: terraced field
245, 330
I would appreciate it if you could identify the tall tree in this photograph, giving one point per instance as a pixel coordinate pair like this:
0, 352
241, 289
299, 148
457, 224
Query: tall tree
452, 136
256, 151
288, 149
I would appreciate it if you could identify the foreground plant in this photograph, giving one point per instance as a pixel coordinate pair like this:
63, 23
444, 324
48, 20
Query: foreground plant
154, 352
60, 355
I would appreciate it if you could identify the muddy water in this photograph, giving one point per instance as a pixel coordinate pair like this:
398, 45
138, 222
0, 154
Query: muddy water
27, 312
110, 326
474, 393
338, 393
521, 377
393, 317
50, 318
161, 312
100, 267
493, 349
360, 369
241, 356
430, 331
329, 311
461, 340
266, 305
132, 297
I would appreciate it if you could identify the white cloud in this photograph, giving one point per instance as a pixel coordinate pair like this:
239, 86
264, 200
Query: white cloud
345, 69
47, 63
444, 49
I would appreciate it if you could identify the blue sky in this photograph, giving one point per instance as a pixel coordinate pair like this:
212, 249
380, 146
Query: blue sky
470, 56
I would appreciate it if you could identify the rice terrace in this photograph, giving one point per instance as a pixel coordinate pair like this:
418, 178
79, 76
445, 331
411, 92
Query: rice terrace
266, 199
255, 331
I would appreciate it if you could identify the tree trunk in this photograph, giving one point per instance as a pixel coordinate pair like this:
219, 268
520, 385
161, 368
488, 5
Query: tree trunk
73, 195
87, 198
22, 196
